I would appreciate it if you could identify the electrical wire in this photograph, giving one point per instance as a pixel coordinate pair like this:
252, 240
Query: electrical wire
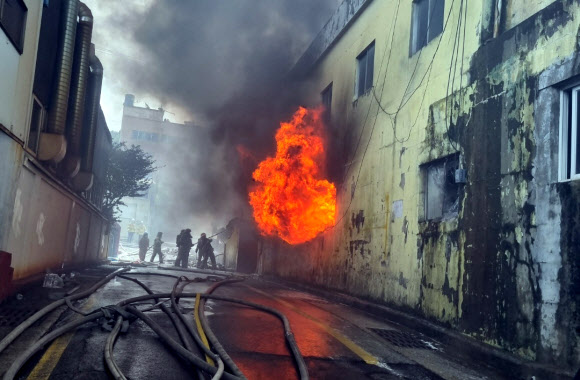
452, 72
393, 28
402, 104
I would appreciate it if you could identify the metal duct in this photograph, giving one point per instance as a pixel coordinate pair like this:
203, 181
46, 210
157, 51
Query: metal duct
93, 103
59, 104
80, 74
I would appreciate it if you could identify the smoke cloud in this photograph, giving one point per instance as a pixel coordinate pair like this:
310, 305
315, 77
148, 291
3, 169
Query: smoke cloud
225, 63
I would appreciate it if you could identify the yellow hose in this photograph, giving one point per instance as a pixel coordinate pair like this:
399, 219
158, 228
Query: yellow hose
200, 329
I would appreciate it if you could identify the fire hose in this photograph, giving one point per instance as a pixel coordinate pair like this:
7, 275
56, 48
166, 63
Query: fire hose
125, 307
42, 312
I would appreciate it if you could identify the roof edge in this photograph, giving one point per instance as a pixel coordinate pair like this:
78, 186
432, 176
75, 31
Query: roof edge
347, 12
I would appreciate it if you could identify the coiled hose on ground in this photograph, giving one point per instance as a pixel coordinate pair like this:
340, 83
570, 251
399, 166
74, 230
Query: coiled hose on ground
183, 326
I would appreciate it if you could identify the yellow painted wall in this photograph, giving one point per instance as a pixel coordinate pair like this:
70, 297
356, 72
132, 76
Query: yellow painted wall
445, 270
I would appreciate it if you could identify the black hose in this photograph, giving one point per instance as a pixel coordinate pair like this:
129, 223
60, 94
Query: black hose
302, 368
109, 358
180, 331
193, 332
154, 274
176, 346
42, 312
211, 336
22, 359
178, 327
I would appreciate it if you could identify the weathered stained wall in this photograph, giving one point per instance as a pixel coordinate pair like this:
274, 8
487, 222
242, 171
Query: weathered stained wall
50, 227
43, 223
504, 269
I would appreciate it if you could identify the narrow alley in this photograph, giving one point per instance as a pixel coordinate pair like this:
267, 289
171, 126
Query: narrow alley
336, 340
290, 189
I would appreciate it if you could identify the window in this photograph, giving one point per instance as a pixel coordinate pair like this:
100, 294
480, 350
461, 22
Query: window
327, 98
365, 68
36, 125
13, 20
426, 22
441, 191
569, 134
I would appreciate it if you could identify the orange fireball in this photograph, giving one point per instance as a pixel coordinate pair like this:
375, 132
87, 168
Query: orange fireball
291, 200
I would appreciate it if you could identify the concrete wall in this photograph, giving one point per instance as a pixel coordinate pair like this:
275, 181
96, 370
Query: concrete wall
43, 223
504, 268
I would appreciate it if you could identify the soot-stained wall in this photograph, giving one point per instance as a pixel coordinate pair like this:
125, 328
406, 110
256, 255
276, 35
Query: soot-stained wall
503, 267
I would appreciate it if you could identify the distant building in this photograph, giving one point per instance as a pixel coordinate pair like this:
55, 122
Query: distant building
54, 140
168, 143
458, 140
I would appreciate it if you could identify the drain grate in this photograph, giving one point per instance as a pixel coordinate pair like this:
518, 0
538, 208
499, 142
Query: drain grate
404, 339
13, 316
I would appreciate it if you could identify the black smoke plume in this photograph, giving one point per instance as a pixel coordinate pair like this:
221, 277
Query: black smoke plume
226, 63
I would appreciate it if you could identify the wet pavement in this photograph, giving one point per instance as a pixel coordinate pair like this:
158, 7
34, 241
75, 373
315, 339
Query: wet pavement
336, 340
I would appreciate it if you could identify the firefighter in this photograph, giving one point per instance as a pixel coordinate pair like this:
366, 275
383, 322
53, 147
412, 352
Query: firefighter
143, 246
141, 230
178, 238
130, 231
157, 248
185, 244
205, 251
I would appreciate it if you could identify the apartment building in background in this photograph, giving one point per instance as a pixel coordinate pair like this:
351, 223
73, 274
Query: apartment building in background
169, 145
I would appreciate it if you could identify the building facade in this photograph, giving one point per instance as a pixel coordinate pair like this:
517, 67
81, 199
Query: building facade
456, 125
161, 208
54, 140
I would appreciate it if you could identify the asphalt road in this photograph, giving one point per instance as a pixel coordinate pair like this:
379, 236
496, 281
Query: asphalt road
337, 341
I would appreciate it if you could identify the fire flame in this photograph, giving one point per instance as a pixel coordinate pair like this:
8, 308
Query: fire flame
290, 199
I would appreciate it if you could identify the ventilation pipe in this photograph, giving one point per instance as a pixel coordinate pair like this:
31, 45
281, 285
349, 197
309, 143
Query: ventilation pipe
53, 143
80, 73
84, 180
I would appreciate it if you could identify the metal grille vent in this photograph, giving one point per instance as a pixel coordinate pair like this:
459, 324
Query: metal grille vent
404, 339
13, 316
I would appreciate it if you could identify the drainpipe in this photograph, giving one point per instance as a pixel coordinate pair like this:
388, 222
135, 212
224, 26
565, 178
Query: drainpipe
84, 180
52, 145
80, 73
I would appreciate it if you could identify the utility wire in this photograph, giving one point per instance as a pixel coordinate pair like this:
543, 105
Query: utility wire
450, 80
401, 105
373, 89
394, 24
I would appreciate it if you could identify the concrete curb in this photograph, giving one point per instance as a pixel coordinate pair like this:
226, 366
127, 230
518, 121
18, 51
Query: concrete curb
512, 366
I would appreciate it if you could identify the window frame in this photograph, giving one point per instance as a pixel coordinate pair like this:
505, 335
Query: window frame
18, 45
453, 161
40, 127
414, 44
364, 55
569, 120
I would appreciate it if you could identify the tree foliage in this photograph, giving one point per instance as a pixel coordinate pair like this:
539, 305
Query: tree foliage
128, 175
